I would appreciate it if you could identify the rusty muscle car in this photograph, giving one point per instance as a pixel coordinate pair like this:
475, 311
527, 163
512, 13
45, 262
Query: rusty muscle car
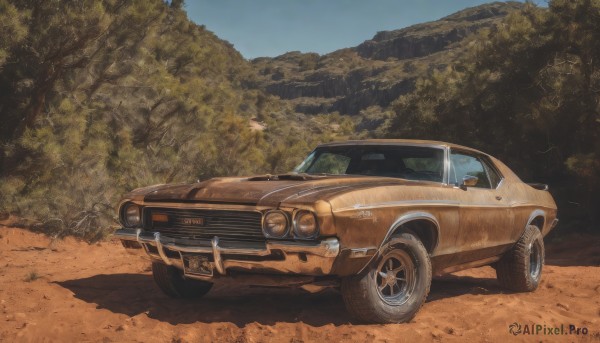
374, 218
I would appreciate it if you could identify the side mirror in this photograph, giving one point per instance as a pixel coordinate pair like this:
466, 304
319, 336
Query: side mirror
468, 181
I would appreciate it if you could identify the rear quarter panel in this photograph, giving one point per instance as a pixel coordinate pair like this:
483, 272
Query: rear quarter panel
526, 202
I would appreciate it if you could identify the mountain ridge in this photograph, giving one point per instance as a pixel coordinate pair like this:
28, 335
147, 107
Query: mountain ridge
371, 75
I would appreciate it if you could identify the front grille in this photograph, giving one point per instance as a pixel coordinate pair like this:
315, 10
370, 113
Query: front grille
205, 224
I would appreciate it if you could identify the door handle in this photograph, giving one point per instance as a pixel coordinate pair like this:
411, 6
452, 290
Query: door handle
498, 197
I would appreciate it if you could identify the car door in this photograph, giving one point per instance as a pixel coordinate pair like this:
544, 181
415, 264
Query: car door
484, 215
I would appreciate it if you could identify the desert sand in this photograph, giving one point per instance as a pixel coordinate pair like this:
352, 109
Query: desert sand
70, 291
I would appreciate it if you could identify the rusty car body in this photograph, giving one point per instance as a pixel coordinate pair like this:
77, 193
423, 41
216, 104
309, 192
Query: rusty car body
430, 207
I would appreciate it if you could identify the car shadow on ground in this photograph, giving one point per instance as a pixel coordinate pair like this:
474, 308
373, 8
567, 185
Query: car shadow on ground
450, 286
134, 294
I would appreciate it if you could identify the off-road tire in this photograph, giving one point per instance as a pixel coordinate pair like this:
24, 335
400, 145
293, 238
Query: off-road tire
364, 299
520, 269
172, 282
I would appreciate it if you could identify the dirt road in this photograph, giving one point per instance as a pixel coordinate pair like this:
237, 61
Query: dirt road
69, 291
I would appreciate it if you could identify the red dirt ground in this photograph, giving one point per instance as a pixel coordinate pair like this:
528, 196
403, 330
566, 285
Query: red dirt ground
69, 291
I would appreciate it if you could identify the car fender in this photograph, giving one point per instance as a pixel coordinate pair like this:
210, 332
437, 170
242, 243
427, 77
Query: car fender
403, 219
534, 214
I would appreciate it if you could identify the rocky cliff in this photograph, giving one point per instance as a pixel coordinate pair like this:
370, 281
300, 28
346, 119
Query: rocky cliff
379, 70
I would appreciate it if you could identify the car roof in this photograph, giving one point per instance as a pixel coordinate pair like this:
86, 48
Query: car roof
411, 142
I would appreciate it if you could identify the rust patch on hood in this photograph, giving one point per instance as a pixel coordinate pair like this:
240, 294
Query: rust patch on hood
266, 189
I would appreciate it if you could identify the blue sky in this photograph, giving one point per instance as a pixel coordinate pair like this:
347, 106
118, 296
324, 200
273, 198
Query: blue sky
272, 27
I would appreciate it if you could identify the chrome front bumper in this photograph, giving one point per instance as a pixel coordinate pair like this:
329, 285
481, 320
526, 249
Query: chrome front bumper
305, 258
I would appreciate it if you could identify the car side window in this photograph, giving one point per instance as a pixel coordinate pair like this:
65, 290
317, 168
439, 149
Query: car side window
462, 165
495, 178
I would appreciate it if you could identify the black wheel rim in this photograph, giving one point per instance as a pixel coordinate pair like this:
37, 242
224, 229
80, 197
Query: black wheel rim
395, 277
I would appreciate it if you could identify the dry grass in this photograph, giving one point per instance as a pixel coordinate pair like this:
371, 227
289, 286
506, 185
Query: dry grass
32, 276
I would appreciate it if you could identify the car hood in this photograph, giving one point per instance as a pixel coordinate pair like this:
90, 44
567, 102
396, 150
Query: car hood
264, 190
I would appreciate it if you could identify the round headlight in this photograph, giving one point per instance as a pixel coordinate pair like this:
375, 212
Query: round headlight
275, 224
305, 225
131, 215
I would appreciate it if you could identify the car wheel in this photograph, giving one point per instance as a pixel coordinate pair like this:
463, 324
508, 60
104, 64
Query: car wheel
394, 287
520, 269
172, 282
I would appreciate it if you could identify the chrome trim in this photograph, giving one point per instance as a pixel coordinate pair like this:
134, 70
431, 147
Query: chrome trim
485, 159
438, 203
535, 260
328, 248
390, 142
446, 177
361, 252
403, 142
533, 215
131, 234
217, 255
405, 203
410, 217
161, 251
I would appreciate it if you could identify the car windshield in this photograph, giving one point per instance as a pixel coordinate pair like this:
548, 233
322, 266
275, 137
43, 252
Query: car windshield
407, 162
